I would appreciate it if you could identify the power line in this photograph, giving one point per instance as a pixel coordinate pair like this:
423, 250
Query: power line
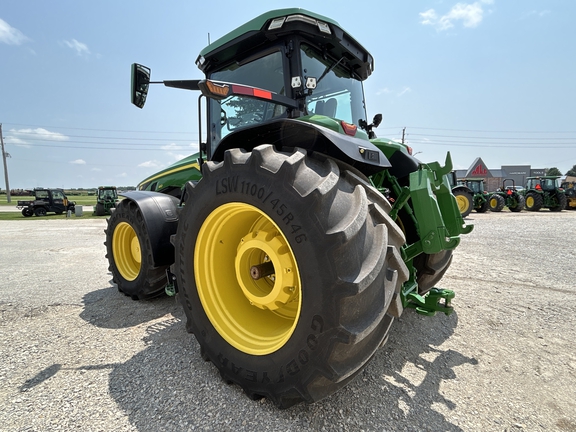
100, 130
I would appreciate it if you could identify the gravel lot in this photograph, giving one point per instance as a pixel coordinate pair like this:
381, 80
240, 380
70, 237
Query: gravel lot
77, 355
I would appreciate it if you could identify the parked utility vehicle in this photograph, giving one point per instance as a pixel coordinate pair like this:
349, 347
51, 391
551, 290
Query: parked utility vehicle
46, 201
296, 236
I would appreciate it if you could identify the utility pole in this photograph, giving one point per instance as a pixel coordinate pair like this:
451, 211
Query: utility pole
403, 135
8, 199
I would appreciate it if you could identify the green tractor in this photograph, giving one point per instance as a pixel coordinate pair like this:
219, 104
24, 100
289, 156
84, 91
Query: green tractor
106, 200
480, 197
507, 196
295, 237
464, 195
544, 192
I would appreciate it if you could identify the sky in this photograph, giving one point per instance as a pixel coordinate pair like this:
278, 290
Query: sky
490, 78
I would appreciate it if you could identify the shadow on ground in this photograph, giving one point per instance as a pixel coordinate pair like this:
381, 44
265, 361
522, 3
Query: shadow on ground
167, 386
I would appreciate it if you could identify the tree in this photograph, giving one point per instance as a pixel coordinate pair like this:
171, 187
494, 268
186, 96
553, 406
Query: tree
553, 172
572, 172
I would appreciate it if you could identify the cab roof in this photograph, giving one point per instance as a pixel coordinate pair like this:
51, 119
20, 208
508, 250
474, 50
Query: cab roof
263, 30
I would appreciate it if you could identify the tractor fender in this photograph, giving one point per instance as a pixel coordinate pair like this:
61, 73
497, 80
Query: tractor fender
160, 213
287, 133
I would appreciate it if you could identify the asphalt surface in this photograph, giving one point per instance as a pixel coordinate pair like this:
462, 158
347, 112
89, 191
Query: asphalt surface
75, 354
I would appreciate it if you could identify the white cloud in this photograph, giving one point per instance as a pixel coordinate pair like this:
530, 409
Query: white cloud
79, 47
78, 162
470, 14
532, 13
382, 91
122, 175
16, 141
39, 133
404, 91
11, 36
96, 169
149, 164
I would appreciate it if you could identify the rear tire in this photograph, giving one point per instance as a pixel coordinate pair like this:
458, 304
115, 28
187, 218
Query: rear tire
496, 203
534, 201
562, 202
26, 212
305, 330
465, 202
100, 210
40, 211
130, 255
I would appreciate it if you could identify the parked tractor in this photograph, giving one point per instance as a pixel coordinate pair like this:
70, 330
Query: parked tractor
544, 192
480, 195
507, 196
464, 195
106, 200
46, 201
296, 236
569, 186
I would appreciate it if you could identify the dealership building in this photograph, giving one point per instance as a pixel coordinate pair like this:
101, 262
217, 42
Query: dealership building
493, 177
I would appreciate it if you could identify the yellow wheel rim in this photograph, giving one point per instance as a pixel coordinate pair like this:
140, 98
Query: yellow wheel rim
530, 201
462, 203
493, 203
126, 250
247, 278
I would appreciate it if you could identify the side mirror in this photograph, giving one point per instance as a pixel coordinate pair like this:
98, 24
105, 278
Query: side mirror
377, 120
140, 83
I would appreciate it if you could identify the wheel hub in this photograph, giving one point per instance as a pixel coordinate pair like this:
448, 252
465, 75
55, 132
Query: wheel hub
259, 253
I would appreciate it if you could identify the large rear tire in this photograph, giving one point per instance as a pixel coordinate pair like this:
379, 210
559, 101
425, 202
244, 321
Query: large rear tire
100, 210
465, 202
40, 211
130, 255
534, 201
286, 266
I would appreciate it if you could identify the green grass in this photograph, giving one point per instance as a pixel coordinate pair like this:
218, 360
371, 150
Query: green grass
49, 216
79, 199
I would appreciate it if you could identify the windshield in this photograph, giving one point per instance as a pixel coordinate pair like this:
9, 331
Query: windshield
238, 111
476, 187
337, 94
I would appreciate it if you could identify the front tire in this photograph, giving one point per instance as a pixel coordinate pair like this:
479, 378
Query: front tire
520, 203
130, 255
286, 266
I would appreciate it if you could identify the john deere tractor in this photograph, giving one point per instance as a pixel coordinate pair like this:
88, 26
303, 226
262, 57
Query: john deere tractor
295, 236
480, 197
106, 200
507, 196
544, 192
